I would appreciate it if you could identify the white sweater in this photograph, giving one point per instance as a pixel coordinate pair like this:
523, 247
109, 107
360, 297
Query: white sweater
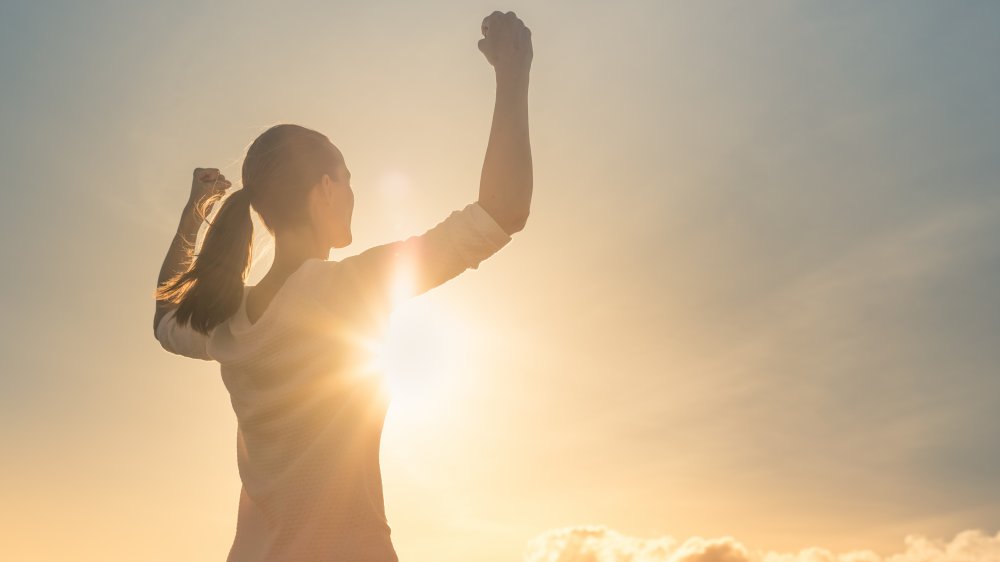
309, 407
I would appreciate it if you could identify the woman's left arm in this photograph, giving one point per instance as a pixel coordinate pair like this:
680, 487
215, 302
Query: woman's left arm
206, 183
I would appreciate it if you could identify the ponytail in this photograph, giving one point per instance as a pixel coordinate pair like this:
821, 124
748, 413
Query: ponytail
211, 290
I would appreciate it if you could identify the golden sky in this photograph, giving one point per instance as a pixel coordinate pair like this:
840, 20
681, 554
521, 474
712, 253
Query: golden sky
756, 297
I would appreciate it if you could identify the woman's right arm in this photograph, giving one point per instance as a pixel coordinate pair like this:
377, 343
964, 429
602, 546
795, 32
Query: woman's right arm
506, 181
383, 275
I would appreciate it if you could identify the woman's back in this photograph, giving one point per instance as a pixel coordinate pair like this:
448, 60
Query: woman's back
310, 418
310, 407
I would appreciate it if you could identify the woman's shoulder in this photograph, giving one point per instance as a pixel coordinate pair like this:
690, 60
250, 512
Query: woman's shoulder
314, 270
317, 278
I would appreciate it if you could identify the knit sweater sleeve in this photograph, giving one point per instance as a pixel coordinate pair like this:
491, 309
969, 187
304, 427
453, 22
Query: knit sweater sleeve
182, 340
384, 275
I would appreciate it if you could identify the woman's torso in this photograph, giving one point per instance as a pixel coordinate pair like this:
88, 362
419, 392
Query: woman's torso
310, 412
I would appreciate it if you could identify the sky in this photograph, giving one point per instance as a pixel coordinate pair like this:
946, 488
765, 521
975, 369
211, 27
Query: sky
753, 315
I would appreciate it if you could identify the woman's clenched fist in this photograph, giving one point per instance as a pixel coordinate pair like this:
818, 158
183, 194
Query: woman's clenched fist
506, 43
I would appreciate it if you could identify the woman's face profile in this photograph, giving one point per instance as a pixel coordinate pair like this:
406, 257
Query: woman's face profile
331, 208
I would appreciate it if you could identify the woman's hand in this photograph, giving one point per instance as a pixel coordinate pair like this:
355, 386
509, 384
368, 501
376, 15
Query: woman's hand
506, 43
207, 187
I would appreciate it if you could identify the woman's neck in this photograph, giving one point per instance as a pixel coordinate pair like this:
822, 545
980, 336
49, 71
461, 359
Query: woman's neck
291, 249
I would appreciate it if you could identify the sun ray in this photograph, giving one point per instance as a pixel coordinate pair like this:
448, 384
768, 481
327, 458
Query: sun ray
421, 355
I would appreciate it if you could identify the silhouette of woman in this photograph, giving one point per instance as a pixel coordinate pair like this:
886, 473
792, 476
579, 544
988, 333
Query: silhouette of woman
309, 411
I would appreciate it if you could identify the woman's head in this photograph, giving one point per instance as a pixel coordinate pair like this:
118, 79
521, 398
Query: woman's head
299, 184
296, 178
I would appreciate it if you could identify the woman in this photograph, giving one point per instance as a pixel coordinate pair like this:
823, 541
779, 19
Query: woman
291, 348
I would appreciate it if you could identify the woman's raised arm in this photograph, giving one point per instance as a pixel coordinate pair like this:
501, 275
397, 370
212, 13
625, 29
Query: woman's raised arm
506, 182
207, 185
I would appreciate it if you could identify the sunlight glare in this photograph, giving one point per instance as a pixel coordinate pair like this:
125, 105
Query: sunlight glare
421, 356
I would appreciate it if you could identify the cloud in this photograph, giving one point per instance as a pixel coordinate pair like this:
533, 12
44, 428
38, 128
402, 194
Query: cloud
597, 543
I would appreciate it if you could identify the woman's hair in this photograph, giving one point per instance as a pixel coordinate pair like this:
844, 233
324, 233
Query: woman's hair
280, 167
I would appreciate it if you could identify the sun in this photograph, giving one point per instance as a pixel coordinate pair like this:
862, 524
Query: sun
421, 356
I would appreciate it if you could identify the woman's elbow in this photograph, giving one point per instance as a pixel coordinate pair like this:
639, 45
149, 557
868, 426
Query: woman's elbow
509, 217
515, 223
